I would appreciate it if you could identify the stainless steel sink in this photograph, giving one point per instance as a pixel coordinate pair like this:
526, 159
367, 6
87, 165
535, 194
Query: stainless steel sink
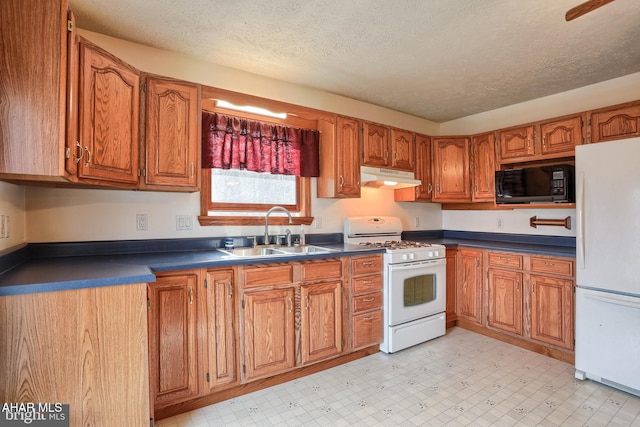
270, 251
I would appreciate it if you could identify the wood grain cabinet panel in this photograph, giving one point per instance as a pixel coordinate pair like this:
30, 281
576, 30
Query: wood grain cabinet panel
451, 169
403, 152
172, 331
469, 280
339, 158
219, 320
367, 329
172, 135
517, 142
375, 145
483, 156
83, 347
269, 332
109, 117
321, 314
505, 300
366, 303
423, 192
552, 310
617, 122
561, 136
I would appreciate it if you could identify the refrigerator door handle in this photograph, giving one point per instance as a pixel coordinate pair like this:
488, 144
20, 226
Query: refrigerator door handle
580, 217
615, 300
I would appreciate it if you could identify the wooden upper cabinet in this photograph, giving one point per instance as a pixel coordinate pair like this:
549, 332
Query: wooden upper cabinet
423, 192
617, 122
109, 113
339, 158
484, 167
561, 136
33, 88
451, 166
375, 145
403, 151
172, 135
517, 142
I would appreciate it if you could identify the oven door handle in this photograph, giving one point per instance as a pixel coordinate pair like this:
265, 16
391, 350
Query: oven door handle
417, 264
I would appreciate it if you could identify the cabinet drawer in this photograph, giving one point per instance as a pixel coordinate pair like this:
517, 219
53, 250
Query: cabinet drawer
367, 329
366, 265
367, 284
552, 265
497, 259
321, 270
367, 302
267, 275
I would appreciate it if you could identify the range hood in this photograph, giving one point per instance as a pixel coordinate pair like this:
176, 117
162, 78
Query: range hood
387, 178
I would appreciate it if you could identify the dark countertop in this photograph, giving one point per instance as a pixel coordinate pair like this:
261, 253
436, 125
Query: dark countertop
34, 268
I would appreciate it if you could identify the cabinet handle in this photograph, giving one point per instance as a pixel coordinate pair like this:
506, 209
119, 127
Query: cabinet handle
79, 157
367, 281
549, 264
533, 287
86, 165
368, 299
504, 258
517, 285
307, 307
230, 285
367, 262
193, 170
190, 294
368, 318
544, 140
430, 188
290, 305
386, 154
528, 142
341, 180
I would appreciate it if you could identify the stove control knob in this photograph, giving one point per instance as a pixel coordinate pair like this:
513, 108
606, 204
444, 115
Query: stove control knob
411, 256
430, 254
404, 257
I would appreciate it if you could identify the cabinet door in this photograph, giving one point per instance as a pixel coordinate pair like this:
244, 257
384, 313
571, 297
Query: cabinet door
505, 300
172, 134
421, 193
609, 124
484, 168
561, 136
219, 348
552, 310
348, 157
451, 165
321, 313
403, 150
109, 102
268, 332
469, 285
367, 329
518, 142
172, 330
375, 145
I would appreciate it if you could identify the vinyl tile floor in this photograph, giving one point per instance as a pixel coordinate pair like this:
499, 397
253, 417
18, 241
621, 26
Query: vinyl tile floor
460, 379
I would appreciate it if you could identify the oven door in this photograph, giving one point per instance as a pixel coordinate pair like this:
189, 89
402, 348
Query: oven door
415, 290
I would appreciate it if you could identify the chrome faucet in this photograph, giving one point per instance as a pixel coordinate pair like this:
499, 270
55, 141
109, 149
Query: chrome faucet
266, 221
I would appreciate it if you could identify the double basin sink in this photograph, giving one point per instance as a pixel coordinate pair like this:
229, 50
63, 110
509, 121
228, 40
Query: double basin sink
269, 251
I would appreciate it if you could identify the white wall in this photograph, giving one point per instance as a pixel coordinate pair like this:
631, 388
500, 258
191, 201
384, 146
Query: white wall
12, 204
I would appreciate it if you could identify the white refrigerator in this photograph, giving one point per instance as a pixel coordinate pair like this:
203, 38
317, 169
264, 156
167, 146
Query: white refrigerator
607, 347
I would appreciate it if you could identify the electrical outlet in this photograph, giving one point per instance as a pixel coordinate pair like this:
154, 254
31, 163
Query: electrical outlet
500, 224
7, 226
3, 226
142, 222
416, 222
184, 222
317, 222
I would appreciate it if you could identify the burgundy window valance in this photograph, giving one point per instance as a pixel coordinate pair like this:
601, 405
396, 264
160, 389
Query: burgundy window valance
230, 142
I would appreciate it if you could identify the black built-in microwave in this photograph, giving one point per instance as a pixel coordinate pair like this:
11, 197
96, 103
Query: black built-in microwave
536, 184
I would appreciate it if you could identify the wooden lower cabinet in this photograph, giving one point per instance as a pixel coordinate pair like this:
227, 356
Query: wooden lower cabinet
269, 332
83, 347
173, 351
321, 326
451, 286
366, 300
552, 310
505, 300
469, 284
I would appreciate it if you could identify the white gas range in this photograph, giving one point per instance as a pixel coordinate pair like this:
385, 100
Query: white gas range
414, 281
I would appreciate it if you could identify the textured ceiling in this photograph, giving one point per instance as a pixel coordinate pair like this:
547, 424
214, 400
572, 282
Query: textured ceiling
435, 59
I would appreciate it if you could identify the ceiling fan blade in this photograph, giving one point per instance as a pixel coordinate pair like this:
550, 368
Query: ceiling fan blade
585, 7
